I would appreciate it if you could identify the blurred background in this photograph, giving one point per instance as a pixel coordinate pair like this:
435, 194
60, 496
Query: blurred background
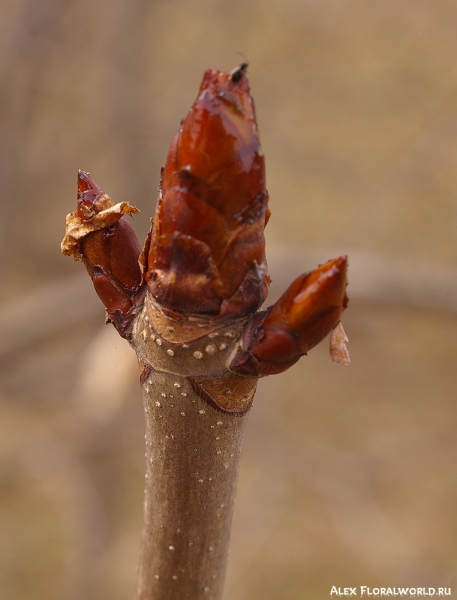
349, 475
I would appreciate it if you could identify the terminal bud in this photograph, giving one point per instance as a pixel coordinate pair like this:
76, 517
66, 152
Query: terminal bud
206, 250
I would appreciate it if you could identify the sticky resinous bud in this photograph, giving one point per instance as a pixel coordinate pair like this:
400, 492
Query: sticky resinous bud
205, 253
113, 249
304, 315
99, 236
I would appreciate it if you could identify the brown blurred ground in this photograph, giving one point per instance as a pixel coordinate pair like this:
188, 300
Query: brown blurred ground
348, 475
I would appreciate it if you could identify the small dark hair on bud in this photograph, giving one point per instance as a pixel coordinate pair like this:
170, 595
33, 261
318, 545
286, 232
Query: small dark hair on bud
237, 73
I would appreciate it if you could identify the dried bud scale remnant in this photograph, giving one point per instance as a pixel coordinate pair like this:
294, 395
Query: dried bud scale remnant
338, 348
188, 303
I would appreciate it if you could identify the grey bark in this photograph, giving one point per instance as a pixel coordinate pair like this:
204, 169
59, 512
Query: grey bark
193, 453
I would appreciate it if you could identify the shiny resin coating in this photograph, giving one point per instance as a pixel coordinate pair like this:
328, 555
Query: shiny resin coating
206, 252
304, 315
109, 254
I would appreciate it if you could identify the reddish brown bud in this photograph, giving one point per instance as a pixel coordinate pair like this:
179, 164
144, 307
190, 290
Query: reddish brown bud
110, 292
98, 235
206, 252
300, 319
114, 249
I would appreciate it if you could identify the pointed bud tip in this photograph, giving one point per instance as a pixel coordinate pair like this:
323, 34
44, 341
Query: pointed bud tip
338, 265
90, 198
221, 79
86, 183
341, 262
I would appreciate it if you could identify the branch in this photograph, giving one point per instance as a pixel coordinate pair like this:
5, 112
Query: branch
189, 305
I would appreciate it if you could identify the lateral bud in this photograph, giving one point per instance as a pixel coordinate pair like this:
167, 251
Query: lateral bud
99, 236
303, 316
